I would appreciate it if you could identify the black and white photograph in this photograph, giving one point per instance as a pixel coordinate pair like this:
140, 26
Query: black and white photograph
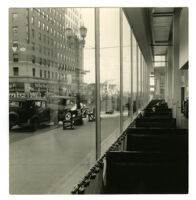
98, 100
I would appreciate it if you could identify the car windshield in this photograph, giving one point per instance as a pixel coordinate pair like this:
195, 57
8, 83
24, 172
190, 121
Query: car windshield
62, 101
14, 104
20, 104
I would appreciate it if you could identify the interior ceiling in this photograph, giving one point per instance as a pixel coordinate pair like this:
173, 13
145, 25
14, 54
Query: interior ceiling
152, 28
161, 24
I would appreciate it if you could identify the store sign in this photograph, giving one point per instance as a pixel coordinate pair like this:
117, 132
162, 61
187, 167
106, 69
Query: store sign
17, 95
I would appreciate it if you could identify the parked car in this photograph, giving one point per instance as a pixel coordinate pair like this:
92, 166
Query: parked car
28, 112
66, 107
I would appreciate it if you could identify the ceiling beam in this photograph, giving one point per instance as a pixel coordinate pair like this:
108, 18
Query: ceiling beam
163, 14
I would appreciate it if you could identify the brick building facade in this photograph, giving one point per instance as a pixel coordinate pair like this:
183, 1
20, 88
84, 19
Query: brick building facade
42, 60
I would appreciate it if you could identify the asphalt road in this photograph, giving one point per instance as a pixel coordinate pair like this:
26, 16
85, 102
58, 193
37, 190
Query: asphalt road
51, 160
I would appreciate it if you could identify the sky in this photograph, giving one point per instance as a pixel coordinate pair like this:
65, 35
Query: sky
109, 47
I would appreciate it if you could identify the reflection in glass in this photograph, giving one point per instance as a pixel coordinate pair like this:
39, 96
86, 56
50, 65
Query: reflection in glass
109, 75
126, 71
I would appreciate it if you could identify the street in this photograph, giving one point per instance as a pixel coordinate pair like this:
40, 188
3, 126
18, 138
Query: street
52, 160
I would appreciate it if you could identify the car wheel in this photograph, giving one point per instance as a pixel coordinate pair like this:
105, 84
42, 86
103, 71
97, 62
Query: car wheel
34, 125
68, 116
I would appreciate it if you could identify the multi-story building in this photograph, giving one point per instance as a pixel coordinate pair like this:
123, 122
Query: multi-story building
42, 59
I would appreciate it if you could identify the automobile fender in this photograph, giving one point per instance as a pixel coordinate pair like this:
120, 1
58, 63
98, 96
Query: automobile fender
15, 114
33, 118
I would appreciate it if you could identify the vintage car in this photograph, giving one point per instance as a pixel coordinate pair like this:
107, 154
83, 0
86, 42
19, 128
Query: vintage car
66, 107
29, 112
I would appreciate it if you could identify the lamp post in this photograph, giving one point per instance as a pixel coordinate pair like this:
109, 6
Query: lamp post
70, 35
78, 44
83, 32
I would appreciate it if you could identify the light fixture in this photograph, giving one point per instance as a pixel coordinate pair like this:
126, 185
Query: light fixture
69, 33
71, 37
83, 32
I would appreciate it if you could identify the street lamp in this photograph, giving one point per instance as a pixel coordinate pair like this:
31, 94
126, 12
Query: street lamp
71, 37
83, 32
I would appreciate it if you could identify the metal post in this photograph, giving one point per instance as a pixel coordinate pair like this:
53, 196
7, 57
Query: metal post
141, 80
145, 86
97, 78
141, 100
144, 82
148, 83
137, 78
131, 99
121, 70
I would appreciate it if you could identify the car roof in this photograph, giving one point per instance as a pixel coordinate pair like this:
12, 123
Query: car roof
26, 99
62, 97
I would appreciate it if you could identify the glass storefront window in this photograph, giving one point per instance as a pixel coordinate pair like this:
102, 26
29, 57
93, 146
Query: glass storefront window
64, 77
109, 76
134, 46
126, 72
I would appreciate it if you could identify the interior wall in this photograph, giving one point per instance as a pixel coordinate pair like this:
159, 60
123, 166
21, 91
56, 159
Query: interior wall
183, 30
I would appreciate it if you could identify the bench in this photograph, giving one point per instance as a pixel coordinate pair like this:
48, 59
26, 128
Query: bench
155, 130
146, 173
176, 142
163, 123
157, 114
159, 110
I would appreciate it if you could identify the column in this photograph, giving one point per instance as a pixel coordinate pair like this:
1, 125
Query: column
97, 78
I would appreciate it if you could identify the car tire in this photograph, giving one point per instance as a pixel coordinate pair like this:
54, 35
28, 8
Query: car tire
68, 116
34, 125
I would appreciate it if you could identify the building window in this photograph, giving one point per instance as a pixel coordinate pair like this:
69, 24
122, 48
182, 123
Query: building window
38, 12
14, 16
15, 71
33, 46
40, 73
15, 29
44, 38
47, 29
33, 70
33, 59
44, 50
40, 61
15, 57
44, 73
39, 24
33, 33
40, 48
32, 20
43, 27
49, 74
40, 36
15, 43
